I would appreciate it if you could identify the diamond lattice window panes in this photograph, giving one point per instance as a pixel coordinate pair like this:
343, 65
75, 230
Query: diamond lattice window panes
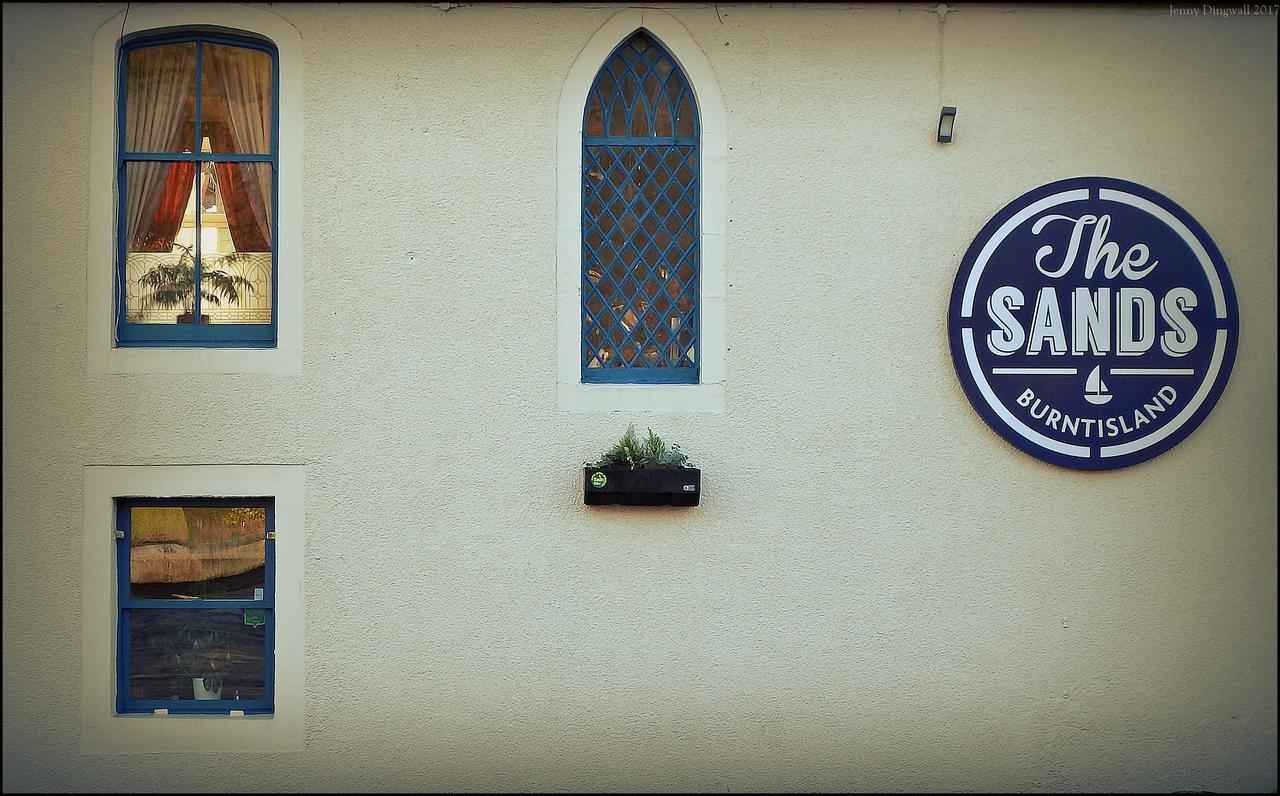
640, 202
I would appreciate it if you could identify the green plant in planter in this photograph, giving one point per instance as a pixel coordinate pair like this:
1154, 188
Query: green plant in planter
171, 285
632, 452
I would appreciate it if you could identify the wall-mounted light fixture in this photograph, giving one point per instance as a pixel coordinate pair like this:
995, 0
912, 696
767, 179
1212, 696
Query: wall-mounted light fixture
945, 123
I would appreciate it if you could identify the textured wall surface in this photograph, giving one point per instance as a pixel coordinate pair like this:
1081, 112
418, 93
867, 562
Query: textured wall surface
877, 592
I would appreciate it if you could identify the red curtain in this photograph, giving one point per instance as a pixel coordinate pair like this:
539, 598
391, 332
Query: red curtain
161, 221
160, 86
248, 217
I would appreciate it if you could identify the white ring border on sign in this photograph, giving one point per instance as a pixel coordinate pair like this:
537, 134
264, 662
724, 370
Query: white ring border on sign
1206, 264
1171, 221
971, 286
1210, 379
1014, 423
966, 311
1219, 307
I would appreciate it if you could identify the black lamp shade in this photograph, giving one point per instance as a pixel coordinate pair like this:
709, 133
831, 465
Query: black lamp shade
945, 123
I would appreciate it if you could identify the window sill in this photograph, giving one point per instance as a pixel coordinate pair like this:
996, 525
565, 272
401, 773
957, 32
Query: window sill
141, 361
261, 715
688, 398
143, 733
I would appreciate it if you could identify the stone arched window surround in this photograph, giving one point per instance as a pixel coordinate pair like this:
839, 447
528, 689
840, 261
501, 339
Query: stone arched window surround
573, 395
103, 356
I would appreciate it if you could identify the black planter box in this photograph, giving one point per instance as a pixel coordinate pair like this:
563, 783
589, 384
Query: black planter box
657, 486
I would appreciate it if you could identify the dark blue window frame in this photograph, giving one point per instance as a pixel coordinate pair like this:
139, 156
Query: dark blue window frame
639, 148
195, 334
126, 605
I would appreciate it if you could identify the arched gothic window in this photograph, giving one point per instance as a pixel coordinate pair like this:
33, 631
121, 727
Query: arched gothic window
640, 211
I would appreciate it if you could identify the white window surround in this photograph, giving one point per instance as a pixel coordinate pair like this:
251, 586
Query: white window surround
102, 731
573, 395
103, 356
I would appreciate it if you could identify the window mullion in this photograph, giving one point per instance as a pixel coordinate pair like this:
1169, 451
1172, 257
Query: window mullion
172, 603
269, 557
215, 157
269, 655
199, 150
124, 659
123, 521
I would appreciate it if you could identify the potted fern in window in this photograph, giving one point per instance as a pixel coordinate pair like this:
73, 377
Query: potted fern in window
637, 472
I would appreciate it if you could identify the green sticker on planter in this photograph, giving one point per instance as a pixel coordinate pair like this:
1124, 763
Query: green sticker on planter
598, 480
255, 617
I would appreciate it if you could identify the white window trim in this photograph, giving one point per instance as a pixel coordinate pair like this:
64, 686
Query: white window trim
102, 730
573, 394
103, 356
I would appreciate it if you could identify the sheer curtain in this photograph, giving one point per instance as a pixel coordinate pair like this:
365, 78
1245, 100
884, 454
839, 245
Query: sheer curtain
159, 84
243, 77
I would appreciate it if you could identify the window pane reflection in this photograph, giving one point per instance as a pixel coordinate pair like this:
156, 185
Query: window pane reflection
197, 552
196, 654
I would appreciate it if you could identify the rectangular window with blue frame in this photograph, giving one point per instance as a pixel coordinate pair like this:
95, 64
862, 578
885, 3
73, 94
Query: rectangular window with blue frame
195, 595
197, 164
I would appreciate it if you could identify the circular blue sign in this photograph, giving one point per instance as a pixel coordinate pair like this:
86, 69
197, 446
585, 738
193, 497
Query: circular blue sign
1093, 323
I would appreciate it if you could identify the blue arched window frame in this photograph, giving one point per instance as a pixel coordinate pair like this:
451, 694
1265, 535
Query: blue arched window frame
193, 335
662, 174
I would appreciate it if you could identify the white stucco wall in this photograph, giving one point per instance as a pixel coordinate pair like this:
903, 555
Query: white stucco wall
877, 592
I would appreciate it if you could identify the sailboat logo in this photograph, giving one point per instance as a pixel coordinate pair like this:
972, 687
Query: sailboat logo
1095, 389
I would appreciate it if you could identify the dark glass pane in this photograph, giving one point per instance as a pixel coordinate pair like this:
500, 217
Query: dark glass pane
595, 116
640, 125
662, 118
686, 347
160, 113
236, 99
197, 655
197, 552
653, 87
617, 112
686, 119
